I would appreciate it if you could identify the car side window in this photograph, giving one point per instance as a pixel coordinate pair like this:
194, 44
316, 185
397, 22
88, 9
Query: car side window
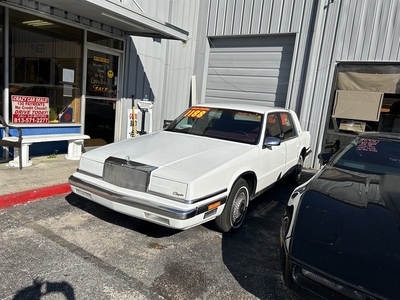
287, 125
273, 127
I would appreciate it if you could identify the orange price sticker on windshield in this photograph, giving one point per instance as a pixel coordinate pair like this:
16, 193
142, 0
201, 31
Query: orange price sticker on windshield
197, 112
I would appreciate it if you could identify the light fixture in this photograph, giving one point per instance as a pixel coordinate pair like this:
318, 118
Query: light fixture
37, 23
145, 105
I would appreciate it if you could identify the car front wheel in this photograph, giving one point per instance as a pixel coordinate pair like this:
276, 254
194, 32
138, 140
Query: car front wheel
236, 207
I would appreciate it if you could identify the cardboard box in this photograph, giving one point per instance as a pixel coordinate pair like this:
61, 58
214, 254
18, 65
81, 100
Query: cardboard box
351, 125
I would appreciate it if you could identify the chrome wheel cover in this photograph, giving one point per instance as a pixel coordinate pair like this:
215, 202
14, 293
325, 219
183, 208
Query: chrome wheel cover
239, 207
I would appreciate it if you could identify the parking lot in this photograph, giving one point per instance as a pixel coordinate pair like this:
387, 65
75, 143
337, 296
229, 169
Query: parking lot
69, 248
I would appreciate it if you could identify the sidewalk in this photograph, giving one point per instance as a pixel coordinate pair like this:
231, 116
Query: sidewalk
48, 176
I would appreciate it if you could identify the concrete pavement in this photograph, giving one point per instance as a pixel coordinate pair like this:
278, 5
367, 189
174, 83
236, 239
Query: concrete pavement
48, 176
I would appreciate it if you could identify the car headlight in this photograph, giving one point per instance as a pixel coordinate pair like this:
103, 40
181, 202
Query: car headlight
91, 166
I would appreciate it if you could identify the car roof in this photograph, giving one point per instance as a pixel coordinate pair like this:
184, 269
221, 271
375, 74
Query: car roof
262, 109
380, 135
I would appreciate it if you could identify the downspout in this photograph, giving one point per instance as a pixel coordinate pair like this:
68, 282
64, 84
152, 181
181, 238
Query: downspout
6, 65
312, 69
83, 81
6, 68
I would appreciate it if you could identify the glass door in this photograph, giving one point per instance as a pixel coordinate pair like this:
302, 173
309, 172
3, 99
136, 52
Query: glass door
102, 90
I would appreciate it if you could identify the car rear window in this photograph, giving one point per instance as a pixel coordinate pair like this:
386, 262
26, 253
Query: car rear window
375, 156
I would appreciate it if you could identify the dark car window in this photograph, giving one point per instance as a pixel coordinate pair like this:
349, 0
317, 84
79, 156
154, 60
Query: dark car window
287, 125
226, 124
375, 156
273, 127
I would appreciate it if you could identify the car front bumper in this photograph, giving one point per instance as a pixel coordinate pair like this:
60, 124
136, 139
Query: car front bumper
146, 206
312, 284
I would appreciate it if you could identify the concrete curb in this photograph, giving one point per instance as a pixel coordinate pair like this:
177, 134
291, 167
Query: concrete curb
35, 194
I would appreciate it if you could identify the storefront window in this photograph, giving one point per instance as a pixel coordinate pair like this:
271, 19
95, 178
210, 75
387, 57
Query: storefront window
366, 98
105, 41
45, 65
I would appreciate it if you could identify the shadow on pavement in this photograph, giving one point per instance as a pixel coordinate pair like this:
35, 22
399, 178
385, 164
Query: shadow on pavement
116, 218
252, 253
44, 289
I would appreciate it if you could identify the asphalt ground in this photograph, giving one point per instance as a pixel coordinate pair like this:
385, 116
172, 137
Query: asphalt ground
66, 247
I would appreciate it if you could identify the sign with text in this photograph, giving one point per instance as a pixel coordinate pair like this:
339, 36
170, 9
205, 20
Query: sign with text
30, 109
132, 123
97, 73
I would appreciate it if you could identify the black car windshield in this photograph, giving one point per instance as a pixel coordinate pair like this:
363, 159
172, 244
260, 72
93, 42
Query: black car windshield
225, 124
372, 156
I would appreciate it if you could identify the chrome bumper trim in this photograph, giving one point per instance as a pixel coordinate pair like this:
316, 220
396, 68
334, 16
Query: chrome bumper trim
134, 202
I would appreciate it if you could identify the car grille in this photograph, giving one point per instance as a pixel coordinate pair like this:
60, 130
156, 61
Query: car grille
127, 174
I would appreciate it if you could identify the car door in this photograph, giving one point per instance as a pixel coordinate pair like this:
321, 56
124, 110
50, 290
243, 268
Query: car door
272, 159
289, 140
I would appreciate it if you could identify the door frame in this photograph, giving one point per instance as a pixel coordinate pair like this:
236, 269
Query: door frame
120, 88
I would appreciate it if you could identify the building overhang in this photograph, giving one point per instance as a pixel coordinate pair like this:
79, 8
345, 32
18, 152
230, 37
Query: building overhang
110, 13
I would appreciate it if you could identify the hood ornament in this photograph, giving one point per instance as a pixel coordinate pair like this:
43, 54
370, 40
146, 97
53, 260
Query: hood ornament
128, 159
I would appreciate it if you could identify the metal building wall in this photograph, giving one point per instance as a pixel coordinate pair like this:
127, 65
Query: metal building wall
252, 17
327, 32
356, 30
168, 66
160, 68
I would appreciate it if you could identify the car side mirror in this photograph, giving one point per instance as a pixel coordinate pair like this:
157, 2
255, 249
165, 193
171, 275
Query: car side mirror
325, 157
271, 141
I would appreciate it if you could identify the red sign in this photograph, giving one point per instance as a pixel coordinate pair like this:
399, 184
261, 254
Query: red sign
30, 109
197, 112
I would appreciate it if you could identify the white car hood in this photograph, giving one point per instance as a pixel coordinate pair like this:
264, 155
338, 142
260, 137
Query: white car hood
175, 151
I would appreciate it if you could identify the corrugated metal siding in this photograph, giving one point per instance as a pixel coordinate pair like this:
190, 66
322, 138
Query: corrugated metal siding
161, 68
357, 30
254, 17
167, 66
326, 32
254, 69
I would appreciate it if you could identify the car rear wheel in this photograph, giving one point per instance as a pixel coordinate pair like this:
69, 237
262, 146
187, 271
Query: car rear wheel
236, 207
298, 169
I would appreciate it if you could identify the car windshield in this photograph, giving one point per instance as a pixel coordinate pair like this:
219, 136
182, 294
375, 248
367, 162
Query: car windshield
372, 156
226, 124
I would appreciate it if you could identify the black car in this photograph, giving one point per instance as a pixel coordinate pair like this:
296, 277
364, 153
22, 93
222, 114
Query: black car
340, 233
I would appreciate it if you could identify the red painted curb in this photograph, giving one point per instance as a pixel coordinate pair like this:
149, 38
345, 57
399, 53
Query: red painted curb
31, 195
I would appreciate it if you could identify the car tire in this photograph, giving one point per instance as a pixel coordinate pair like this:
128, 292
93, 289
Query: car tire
298, 169
236, 207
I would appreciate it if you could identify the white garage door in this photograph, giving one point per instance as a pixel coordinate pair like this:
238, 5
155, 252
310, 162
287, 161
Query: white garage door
253, 70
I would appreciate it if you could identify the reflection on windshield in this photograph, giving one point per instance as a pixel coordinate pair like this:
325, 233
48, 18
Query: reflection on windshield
226, 124
374, 156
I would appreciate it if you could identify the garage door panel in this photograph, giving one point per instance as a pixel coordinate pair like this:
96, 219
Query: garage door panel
248, 72
237, 95
232, 57
267, 100
244, 84
250, 69
252, 41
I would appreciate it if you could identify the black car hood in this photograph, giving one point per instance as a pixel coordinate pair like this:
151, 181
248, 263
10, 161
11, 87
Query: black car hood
347, 226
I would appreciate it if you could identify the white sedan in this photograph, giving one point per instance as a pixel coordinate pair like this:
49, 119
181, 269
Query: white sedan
207, 164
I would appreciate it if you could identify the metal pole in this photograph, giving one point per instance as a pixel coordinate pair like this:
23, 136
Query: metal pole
6, 68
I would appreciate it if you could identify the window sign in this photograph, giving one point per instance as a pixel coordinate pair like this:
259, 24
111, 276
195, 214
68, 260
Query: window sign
68, 75
102, 71
98, 69
30, 109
